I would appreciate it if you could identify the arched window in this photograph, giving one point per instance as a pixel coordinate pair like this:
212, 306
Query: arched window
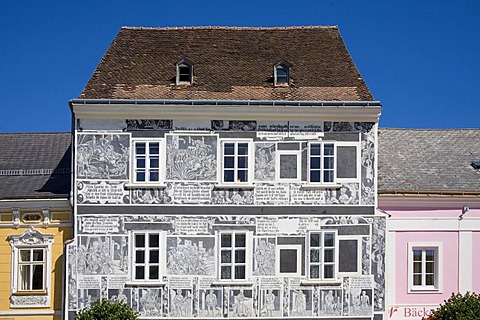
184, 72
282, 74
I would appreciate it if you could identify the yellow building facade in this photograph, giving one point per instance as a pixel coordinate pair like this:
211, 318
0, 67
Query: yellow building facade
35, 224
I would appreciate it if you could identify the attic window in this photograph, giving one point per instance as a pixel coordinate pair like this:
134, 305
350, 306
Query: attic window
184, 72
475, 164
282, 75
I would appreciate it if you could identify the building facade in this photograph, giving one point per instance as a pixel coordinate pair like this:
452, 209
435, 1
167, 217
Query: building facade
227, 173
35, 223
430, 187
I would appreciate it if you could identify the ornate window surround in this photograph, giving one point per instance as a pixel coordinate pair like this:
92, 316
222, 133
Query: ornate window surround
30, 239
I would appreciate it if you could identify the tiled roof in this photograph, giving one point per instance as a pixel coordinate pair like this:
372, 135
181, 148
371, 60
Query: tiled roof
228, 64
415, 160
34, 165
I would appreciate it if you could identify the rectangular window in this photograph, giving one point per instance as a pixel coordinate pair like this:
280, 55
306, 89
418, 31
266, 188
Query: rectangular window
236, 162
321, 167
31, 269
322, 255
233, 256
289, 162
147, 256
289, 259
424, 268
147, 161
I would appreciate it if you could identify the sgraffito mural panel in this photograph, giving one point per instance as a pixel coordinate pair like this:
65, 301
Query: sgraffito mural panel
98, 265
191, 157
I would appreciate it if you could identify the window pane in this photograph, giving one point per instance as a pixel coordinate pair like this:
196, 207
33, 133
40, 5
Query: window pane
314, 240
226, 257
328, 239
140, 256
226, 240
228, 176
141, 163
24, 277
139, 240
315, 255
141, 176
328, 176
417, 267
37, 280
328, 272
37, 255
153, 272
314, 176
140, 148
242, 162
417, 255
315, 149
430, 255
154, 176
243, 149
417, 280
226, 272
240, 256
239, 272
229, 148
288, 166
153, 240
154, 162
229, 162
154, 148
25, 255
242, 176
288, 260
154, 256
328, 255
430, 280
315, 272
240, 240
315, 163
328, 163
139, 272
328, 149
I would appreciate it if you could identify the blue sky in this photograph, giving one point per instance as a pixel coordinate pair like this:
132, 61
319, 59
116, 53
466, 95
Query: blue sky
421, 59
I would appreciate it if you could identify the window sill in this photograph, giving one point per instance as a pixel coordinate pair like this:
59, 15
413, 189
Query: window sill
234, 186
321, 186
232, 283
146, 283
424, 290
145, 186
320, 283
30, 293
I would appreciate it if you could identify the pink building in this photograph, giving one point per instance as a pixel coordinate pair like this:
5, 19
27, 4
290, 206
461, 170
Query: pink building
429, 184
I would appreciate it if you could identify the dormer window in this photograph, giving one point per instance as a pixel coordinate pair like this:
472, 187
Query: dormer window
282, 74
184, 72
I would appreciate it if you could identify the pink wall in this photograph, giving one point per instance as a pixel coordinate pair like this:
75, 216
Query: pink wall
449, 275
476, 262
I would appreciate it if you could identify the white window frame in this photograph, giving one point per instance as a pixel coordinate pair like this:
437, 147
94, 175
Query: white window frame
278, 154
232, 264
31, 239
285, 67
359, 255
321, 248
179, 66
296, 247
148, 169
438, 275
146, 264
250, 162
322, 167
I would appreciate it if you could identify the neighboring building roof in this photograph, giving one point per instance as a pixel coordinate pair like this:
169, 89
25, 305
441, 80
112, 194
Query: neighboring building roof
428, 161
35, 165
229, 63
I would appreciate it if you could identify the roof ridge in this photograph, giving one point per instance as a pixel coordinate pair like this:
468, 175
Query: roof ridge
227, 28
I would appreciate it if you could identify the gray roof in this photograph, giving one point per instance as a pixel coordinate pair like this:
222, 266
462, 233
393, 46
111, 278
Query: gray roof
34, 165
423, 161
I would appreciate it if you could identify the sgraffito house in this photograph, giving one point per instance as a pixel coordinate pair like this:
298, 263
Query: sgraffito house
225, 172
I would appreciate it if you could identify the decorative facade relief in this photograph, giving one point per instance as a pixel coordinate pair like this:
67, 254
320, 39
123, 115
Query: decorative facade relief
30, 301
149, 124
103, 156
